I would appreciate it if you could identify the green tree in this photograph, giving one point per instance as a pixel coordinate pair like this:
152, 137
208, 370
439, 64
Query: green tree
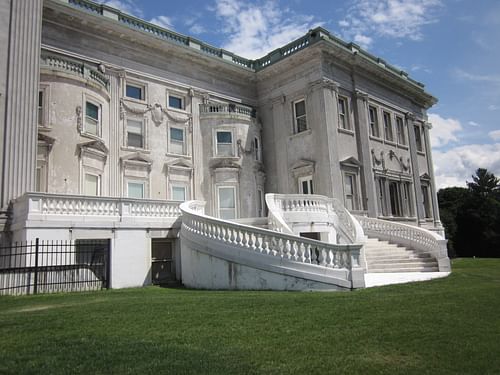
451, 201
484, 183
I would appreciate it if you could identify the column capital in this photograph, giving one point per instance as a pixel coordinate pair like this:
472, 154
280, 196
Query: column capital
326, 83
427, 125
410, 116
361, 94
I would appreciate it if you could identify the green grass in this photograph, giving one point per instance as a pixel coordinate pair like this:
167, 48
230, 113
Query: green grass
445, 326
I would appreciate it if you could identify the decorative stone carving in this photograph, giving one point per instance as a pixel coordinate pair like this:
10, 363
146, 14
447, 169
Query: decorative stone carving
361, 94
79, 119
323, 83
404, 167
378, 161
157, 113
243, 150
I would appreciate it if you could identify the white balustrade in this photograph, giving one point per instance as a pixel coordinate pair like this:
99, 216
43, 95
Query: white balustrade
268, 242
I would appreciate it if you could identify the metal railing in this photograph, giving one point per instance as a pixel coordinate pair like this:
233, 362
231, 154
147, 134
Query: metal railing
54, 266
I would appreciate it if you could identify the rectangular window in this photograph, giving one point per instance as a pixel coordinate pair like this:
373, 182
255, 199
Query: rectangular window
256, 143
400, 129
92, 118
418, 138
350, 192
40, 108
260, 203
388, 126
135, 190
306, 185
395, 198
225, 143
177, 141
91, 185
175, 102
300, 116
373, 121
179, 193
135, 135
227, 202
134, 92
426, 202
343, 114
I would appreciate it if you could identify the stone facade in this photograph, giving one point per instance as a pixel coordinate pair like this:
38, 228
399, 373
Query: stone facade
127, 109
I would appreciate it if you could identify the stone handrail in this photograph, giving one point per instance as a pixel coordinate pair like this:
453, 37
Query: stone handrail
344, 221
78, 205
227, 108
268, 242
64, 64
412, 237
275, 220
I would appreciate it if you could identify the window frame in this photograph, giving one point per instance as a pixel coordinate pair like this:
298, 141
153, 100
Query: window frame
98, 186
401, 136
216, 143
344, 122
137, 182
309, 182
172, 142
139, 85
178, 95
235, 199
177, 184
141, 121
354, 191
296, 118
419, 141
89, 100
388, 131
373, 123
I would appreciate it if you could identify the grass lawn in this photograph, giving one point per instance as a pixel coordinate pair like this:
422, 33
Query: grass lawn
445, 326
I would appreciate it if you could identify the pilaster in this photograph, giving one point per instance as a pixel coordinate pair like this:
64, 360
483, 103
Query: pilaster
282, 133
20, 137
430, 168
115, 85
410, 120
197, 145
363, 142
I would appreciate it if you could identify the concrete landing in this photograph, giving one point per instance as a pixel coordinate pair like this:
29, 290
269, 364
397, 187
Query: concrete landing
379, 279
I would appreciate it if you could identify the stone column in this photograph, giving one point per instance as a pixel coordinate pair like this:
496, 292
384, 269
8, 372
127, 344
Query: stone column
410, 120
430, 168
282, 132
116, 82
325, 117
362, 129
196, 146
20, 136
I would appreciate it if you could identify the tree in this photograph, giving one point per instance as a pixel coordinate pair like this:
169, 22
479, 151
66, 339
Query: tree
484, 183
451, 201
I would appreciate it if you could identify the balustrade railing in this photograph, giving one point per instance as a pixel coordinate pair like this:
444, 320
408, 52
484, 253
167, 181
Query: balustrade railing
68, 65
227, 108
76, 205
278, 204
268, 242
407, 235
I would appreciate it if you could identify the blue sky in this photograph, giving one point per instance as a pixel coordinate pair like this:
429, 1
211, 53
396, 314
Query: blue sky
452, 46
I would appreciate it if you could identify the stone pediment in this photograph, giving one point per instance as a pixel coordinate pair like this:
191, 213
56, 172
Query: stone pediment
217, 163
49, 141
136, 157
95, 145
351, 162
425, 177
180, 163
303, 167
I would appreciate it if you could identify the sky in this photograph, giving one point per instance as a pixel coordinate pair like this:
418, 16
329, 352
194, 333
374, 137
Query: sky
452, 46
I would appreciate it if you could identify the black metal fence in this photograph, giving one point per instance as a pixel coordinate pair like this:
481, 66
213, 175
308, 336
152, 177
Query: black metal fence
54, 266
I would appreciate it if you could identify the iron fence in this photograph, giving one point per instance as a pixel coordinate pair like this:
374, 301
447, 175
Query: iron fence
54, 266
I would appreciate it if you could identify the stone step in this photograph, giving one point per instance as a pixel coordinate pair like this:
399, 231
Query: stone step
390, 258
397, 269
402, 264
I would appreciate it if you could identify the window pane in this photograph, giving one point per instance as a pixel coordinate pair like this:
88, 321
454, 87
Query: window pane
91, 126
227, 214
135, 190
177, 134
174, 102
305, 187
92, 111
226, 198
134, 134
178, 193
91, 185
134, 140
134, 92
224, 137
300, 108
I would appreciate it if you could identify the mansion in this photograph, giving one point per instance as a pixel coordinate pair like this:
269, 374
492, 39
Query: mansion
292, 167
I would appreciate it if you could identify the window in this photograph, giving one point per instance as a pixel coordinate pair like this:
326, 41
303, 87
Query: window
258, 155
382, 210
92, 185
350, 192
227, 202
400, 129
40, 108
176, 141
260, 203
135, 134
425, 201
224, 143
306, 185
178, 193
343, 114
175, 102
418, 138
300, 116
92, 118
135, 190
373, 121
388, 126
395, 198
134, 92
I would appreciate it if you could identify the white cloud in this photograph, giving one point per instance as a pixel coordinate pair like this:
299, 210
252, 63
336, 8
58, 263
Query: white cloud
363, 40
495, 135
389, 18
473, 124
491, 78
493, 107
126, 6
443, 130
163, 21
197, 29
455, 166
252, 30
